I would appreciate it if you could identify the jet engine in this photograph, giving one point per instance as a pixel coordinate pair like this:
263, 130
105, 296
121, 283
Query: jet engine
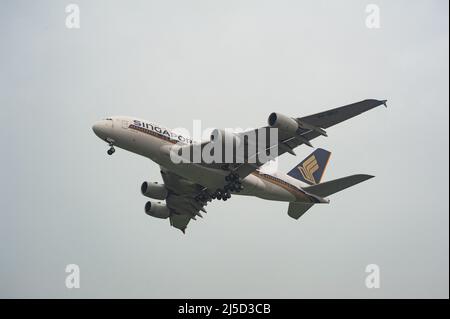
154, 190
283, 123
157, 210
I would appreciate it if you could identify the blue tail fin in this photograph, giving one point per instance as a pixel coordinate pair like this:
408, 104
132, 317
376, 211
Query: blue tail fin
311, 169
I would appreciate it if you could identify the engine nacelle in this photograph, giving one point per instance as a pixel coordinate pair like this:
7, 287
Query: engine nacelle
157, 210
154, 190
283, 123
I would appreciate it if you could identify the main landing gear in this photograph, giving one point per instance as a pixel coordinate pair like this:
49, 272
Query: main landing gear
204, 197
221, 194
233, 185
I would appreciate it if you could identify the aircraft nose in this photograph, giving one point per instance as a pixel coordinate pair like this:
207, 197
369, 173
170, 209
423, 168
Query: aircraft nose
96, 128
101, 128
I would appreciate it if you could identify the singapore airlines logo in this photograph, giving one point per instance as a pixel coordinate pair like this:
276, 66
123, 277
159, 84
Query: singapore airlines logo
308, 168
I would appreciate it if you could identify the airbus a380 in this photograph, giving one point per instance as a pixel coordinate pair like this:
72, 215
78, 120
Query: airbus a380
188, 187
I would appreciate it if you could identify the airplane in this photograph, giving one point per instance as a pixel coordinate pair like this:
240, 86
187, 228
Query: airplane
188, 187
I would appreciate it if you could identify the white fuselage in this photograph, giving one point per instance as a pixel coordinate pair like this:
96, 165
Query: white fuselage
154, 142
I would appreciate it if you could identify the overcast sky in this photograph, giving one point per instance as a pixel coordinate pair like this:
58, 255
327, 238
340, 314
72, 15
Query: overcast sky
230, 64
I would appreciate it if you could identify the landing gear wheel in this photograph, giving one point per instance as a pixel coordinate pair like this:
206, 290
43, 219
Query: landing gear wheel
234, 183
111, 146
232, 177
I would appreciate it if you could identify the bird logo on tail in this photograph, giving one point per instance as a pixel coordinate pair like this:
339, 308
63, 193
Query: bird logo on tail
308, 168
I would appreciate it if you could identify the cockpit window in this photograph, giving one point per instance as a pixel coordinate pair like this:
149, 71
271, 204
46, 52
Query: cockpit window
108, 119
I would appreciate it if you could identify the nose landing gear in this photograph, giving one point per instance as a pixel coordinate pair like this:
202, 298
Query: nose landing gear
111, 147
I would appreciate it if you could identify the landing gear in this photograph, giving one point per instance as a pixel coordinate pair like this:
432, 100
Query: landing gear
221, 194
111, 147
204, 197
234, 183
226, 195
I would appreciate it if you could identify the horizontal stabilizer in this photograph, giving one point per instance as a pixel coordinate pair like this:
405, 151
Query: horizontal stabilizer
296, 210
334, 186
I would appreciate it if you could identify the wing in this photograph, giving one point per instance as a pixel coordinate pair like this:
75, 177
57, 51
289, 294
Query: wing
311, 127
335, 116
182, 199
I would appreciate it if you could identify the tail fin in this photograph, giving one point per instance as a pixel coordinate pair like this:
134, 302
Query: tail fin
311, 169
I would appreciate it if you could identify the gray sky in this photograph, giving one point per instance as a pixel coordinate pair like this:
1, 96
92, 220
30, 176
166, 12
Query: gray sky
228, 63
